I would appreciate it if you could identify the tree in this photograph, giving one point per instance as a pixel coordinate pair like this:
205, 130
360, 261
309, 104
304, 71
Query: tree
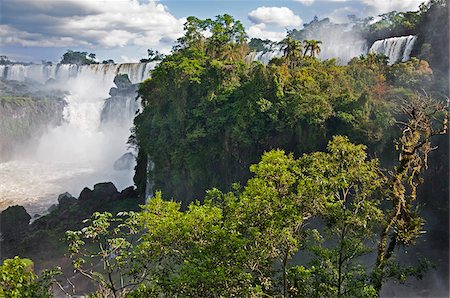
227, 40
292, 50
404, 224
260, 45
79, 58
344, 185
270, 212
193, 34
18, 280
153, 55
328, 204
112, 239
313, 46
191, 253
4, 60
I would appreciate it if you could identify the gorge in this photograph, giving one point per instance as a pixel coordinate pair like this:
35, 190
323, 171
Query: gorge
96, 131
313, 167
80, 149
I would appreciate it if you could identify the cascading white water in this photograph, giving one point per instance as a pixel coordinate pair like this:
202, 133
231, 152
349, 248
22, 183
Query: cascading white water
396, 48
105, 73
79, 153
265, 57
342, 53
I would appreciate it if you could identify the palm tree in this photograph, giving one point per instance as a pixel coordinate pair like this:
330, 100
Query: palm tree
292, 50
313, 47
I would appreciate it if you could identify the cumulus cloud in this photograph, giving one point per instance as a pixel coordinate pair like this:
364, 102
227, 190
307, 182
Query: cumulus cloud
340, 15
378, 7
13, 36
260, 31
278, 16
66, 23
372, 8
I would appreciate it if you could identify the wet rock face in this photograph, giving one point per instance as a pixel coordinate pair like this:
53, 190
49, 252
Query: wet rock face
14, 223
124, 86
66, 199
125, 162
105, 191
19, 237
85, 194
122, 106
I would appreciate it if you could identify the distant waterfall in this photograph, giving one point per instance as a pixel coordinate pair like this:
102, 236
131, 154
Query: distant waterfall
137, 72
396, 48
266, 56
82, 150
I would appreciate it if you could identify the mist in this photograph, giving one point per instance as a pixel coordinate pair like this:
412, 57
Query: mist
338, 43
82, 150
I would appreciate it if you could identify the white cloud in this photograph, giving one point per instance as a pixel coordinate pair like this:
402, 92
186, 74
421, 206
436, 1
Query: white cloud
305, 2
278, 16
377, 7
260, 31
372, 8
310, 2
87, 23
340, 15
12, 36
126, 59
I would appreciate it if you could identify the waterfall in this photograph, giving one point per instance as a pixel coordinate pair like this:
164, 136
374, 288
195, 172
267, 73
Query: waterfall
137, 72
266, 56
82, 151
343, 52
148, 182
396, 48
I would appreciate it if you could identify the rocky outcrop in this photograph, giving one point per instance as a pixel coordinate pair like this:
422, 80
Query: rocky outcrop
66, 199
14, 223
125, 162
14, 226
102, 192
27, 240
122, 106
124, 86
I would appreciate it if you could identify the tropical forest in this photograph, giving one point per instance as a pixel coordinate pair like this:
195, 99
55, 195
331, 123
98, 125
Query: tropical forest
233, 165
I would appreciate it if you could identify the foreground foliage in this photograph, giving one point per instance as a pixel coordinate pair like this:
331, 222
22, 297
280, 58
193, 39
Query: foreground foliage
329, 208
17, 280
326, 224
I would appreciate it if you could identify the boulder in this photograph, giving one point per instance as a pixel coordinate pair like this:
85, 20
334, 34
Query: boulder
124, 86
85, 194
66, 199
122, 81
14, 222
105, 188
129, 192
125, 162
113, 91
102, 192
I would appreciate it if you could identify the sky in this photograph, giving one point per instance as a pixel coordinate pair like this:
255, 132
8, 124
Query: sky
123, 30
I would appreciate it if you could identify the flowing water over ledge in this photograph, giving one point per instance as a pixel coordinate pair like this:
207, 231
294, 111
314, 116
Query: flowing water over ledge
80, 152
